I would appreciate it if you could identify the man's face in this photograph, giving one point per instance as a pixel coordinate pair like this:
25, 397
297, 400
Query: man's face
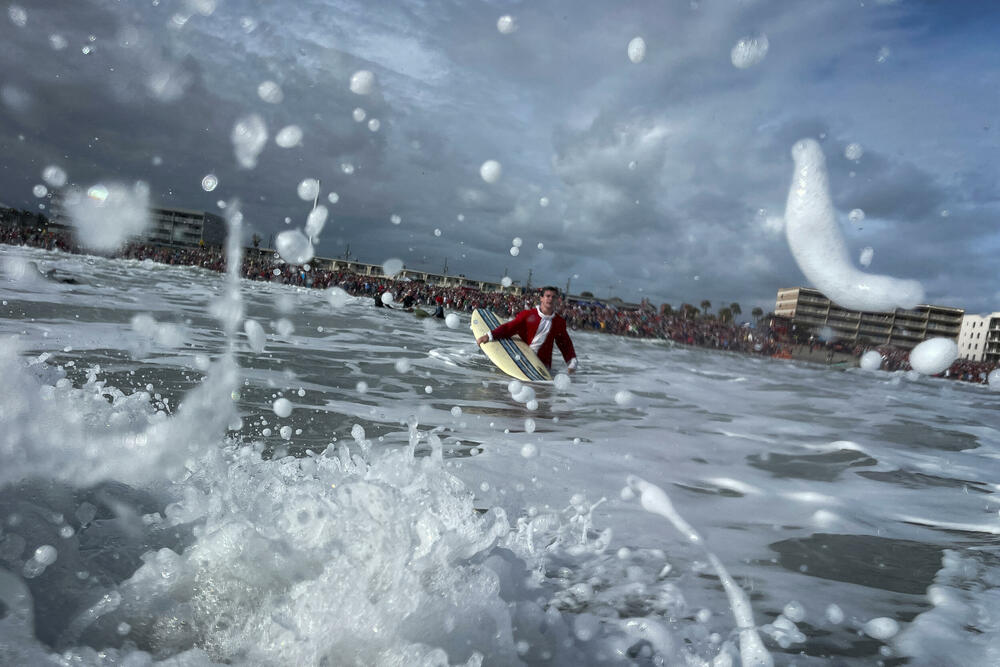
549, 301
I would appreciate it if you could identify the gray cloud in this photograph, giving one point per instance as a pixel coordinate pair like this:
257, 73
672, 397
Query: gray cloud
558, 103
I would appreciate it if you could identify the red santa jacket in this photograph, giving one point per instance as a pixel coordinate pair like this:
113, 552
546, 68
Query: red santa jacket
525, 324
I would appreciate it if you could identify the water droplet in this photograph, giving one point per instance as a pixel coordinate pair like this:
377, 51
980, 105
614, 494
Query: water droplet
749, 51
490, 171
437, 232
391, 267
506, 24
54, 176
358, 115
308, 189
854, 151
39, 191
362, 82
637, 49
209, 183
18, 16
289, 136
395, 219
270, 92
515, 251
249, 136
374, 124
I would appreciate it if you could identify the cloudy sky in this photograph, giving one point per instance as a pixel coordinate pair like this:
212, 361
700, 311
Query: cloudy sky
664, 178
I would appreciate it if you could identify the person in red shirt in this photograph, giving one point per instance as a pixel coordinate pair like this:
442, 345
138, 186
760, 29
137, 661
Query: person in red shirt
541, 328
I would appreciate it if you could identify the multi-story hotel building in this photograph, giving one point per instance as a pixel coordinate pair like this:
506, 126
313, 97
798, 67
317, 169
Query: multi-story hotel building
979, 339
809, 309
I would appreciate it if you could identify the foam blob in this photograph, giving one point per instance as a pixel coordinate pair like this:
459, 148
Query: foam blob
338, 297
106, 216
871, 360
562, 381
362, 82
491, 171
834, 614
856, 215
529, 451
358, 115
391, 267
282, 407
315, 221
452, 321
54, 176
395, 219
294, 247
308, 189
437, 232
289, 136
333, 198
818, 246
854, 151
933, 356
515, 251
867, 253
637, 49
543, 202
994, 380
39, 191
541, 246
506, 281
506, 24
387, 298
17, 15
46, 554
517, 242
624, 397
270, 92
749, 51
883, 628
249, 136
255, 335
402, 365
347, 168
374, 124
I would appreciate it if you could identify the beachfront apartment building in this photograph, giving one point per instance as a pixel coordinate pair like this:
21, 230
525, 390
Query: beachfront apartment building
810, 310
979, 338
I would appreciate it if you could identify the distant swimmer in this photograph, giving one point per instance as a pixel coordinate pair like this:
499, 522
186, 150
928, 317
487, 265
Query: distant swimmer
541, 327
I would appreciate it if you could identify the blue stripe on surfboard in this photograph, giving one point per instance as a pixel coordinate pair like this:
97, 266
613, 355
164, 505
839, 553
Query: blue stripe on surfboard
532, 373
510, 347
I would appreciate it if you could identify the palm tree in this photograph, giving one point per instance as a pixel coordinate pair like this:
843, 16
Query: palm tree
725, 315
705, 305
735, 309
757, 313
666, 309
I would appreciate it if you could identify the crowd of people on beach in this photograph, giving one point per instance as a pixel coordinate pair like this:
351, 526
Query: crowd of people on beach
767, 337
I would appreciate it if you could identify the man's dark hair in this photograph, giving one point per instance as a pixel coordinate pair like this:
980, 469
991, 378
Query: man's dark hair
549, 288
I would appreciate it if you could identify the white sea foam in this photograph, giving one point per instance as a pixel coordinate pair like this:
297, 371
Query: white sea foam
818, 246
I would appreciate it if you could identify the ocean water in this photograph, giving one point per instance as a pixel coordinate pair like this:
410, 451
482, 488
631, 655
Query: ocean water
408, 506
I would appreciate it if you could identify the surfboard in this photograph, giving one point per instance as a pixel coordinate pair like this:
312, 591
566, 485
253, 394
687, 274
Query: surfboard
511, 355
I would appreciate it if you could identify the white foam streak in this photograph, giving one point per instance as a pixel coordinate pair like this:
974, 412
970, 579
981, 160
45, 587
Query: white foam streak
656, 501
818, 246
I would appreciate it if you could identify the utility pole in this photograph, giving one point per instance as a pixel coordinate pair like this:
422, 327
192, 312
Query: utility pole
347, 253
528, 286
567, 286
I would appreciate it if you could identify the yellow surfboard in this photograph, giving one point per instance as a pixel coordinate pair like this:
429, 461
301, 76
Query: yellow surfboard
511, 355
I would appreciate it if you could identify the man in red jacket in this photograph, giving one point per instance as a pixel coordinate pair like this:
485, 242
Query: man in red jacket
540, 327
